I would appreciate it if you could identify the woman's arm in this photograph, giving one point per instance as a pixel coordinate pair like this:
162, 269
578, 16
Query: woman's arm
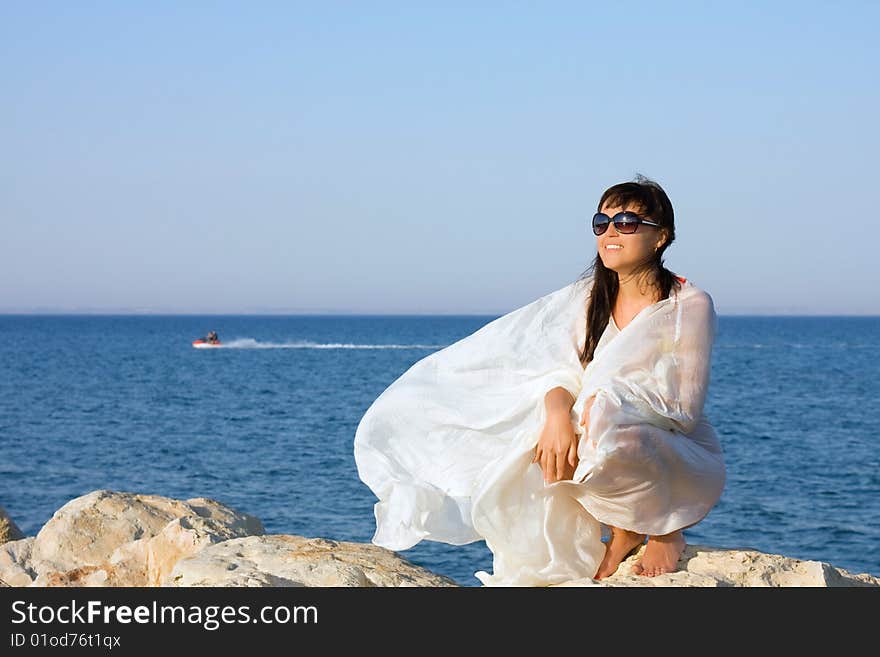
671, 384
556, 451
558, 401
585, 416
693, 358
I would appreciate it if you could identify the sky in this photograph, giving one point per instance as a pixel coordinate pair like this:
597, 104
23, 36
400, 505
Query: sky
399, 157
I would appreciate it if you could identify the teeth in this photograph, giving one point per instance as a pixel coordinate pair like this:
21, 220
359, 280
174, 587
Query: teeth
613, 246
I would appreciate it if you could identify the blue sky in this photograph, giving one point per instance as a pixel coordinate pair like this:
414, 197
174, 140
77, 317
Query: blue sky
429, 157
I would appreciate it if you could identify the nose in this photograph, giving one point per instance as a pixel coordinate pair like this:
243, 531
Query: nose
610, 231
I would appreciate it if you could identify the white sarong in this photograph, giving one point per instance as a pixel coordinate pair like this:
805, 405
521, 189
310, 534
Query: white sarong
447, 448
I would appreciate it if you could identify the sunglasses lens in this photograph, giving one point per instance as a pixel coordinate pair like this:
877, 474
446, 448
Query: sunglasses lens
600, 223
626, 222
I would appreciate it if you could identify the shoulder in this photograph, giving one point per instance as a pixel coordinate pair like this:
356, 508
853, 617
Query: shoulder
688, 287
695, 299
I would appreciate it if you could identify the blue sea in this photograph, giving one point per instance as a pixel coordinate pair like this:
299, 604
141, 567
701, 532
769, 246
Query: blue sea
266, 423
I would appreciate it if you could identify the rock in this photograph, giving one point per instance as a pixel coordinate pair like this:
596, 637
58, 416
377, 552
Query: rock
706, 566
150, 560
108, 538
15, 558
8, 529
286, 560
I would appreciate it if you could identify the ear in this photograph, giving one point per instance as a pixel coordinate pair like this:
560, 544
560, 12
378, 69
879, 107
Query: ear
664, 235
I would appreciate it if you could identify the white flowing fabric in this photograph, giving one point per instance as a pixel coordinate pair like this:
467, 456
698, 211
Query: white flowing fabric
447, 448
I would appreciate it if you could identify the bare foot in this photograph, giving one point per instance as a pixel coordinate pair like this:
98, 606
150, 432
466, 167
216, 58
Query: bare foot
661, 555
618, 548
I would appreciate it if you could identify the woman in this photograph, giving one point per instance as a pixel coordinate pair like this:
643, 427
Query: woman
629, 279
581, 408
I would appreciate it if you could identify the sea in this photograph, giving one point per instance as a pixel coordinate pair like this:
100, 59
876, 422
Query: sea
265, 424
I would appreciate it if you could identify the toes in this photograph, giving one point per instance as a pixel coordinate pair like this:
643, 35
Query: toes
655, 571
648, 572
637, 568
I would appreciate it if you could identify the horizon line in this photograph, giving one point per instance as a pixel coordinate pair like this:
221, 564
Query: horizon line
342, 313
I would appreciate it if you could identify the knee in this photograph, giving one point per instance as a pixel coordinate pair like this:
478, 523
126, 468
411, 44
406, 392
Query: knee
631, 444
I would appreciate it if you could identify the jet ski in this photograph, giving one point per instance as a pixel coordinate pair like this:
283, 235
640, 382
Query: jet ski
208, 342
202, 343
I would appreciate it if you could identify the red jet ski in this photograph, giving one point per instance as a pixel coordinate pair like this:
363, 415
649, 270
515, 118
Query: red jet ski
201, 343
208, 342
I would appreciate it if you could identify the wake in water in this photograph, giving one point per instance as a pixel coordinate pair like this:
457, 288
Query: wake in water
250, 343
798, 345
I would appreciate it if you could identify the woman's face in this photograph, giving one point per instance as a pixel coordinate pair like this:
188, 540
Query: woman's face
623, 252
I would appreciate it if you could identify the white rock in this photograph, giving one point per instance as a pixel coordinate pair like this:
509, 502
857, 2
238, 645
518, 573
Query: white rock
8, 530
287, 560
108, 538
14, 562
706, 566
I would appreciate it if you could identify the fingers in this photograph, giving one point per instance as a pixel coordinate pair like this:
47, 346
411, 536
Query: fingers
556, 464
560, 465
585, 416
548, 466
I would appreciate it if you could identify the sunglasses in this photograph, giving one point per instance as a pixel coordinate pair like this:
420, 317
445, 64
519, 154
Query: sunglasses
625, 222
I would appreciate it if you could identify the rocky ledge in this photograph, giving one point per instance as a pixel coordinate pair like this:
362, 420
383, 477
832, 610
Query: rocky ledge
108, 538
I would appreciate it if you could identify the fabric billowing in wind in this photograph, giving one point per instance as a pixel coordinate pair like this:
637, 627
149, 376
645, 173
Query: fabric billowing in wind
447, 448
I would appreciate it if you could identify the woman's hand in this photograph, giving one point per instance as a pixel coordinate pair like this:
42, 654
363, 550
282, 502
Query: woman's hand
557, 448
585, 416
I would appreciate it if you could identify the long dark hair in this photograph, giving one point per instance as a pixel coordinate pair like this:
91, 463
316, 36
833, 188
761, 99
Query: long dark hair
653, 204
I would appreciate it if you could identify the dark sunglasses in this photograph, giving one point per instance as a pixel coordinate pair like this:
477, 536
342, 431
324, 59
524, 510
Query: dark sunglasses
624, 222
